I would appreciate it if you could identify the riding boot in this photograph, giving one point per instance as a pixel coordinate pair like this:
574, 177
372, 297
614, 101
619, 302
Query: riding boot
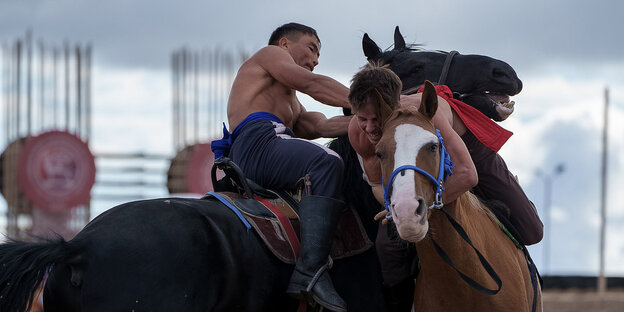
318, 218
400, 297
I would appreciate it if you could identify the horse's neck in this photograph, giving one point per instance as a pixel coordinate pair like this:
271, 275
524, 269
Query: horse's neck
481, 230
436, 279
470, 213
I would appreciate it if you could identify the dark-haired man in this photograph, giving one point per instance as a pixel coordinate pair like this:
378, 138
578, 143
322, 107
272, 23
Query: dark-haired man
269, 142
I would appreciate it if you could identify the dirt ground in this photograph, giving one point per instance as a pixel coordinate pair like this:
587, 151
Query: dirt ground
582, 300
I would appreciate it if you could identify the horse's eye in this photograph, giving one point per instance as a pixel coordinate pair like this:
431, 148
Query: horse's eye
379, 155
433, 148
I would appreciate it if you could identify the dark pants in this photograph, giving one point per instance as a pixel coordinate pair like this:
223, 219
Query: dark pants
270, 155
397, 257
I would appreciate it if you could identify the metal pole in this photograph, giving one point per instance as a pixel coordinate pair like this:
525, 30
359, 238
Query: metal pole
78, 131
196, 101
183, 99
18, 88
66, 86
28, 83
87, 102
5, 89
174, 94
55, 86
205, 121
41, 84
602, 280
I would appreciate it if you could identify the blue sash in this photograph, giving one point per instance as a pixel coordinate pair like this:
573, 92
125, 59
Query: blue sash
221, 147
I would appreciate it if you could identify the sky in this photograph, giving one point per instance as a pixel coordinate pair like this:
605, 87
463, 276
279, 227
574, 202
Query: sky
565, 52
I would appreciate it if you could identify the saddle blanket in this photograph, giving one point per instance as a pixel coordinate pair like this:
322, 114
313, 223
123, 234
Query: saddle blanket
277, 223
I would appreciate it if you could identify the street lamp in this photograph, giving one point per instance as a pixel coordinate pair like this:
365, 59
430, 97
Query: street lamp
548, 179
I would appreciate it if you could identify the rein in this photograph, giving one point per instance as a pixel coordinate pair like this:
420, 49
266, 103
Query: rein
443, 74
444, 171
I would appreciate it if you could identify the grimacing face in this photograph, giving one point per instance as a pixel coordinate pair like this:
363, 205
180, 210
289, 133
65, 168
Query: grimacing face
367, 121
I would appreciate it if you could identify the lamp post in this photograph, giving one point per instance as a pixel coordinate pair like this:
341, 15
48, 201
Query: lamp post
548, 179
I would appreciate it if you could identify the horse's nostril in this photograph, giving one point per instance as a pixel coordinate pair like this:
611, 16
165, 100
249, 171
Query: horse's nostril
421, 207
421, 211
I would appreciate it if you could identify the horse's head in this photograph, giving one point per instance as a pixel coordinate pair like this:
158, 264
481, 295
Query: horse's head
480, 81
409, 152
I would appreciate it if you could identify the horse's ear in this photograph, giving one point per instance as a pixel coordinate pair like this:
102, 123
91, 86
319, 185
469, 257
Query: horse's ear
371, 50
429, 101
399, 42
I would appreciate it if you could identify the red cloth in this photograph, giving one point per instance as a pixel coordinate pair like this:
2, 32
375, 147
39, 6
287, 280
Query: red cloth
484, 129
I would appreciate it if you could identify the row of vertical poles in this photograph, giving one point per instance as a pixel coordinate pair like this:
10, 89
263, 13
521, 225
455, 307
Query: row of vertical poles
45, 86
201, 82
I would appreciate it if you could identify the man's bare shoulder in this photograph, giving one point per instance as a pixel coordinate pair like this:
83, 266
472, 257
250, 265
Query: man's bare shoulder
268, 54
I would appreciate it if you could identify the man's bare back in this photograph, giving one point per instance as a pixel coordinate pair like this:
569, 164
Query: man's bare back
255, 90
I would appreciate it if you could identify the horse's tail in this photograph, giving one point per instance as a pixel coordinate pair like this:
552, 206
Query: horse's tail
23, 267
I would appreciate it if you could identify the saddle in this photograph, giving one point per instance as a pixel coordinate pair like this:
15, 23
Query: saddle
273, 214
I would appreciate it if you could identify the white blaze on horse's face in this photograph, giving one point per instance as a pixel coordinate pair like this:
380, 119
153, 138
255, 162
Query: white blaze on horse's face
409, 210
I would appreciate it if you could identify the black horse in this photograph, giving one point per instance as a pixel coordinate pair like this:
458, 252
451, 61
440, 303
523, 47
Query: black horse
167, 255
175, 254
480, 81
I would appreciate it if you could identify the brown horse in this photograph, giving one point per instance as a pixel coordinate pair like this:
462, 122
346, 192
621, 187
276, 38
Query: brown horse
467, 262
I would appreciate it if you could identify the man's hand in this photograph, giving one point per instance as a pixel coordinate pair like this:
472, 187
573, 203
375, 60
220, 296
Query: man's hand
380, 215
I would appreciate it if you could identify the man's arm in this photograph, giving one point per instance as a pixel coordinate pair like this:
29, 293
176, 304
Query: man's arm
464, 175
314, 125
280, 65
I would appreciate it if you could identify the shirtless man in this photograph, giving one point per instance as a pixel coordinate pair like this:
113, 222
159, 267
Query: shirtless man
267, 121
374, 93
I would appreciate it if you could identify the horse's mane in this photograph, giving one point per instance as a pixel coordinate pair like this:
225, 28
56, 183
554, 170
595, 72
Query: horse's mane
472, 201
414, 47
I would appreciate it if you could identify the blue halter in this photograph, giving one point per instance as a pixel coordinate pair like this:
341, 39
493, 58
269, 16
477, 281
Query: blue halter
444, 171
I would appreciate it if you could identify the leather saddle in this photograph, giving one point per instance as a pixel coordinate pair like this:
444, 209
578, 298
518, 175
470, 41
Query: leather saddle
273, 214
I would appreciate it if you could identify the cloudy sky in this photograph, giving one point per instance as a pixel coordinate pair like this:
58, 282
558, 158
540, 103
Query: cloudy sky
566, 53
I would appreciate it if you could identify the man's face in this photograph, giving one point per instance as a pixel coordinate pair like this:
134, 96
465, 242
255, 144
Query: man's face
368, 122
305, 51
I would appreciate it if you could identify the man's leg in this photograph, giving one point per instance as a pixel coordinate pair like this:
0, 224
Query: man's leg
279, 161
319, 213
396, 258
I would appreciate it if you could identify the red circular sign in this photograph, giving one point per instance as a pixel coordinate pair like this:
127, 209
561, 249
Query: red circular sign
56, 171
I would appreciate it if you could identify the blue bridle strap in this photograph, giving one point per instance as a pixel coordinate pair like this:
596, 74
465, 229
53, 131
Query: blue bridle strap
443, 172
